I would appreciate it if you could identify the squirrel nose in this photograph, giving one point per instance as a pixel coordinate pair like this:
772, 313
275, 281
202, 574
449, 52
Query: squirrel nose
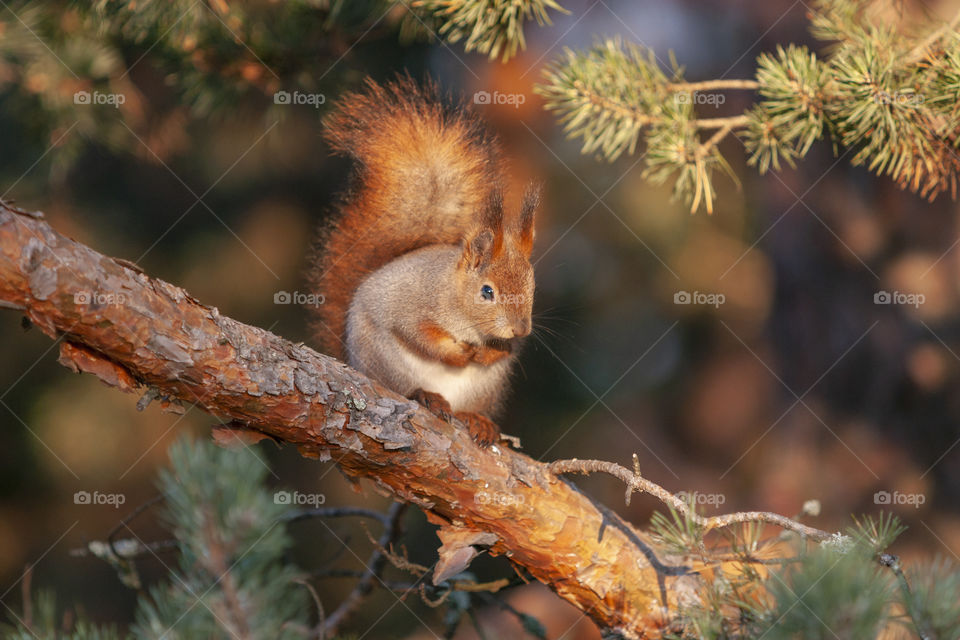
521, 329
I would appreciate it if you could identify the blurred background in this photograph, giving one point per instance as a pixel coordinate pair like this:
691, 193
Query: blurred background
785, 378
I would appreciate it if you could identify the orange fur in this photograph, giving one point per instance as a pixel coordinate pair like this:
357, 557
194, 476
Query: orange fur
487, 354
436, 343
423, 169
423, 275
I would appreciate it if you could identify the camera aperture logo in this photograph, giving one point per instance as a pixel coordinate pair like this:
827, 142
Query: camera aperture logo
96, 97
96, 498
699, 298
896, 498
897, 297
297, 297
98, 298
298, 97
513, 99
297, 499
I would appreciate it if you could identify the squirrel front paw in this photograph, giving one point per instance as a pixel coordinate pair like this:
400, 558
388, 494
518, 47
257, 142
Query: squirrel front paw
483, 430
434, 403
495, 351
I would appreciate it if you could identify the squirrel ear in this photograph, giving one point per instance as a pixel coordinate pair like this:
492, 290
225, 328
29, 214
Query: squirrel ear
492, 215
531, 201
478, 251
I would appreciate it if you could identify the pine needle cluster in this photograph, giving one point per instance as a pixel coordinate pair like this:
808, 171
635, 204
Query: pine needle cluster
491, 27
230, 577
889, 97
212, 58
786, 587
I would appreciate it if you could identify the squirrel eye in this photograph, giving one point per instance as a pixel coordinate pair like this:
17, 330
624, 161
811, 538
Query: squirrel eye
487, 292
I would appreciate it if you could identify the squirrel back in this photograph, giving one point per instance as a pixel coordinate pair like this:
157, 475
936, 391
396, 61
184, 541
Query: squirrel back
423, 169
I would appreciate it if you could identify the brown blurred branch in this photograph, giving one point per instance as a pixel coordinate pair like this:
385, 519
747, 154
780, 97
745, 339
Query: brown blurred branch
713, 85
726, 122
132, 331
373, 574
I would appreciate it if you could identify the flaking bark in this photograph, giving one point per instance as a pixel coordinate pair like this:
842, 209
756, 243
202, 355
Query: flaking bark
133, 331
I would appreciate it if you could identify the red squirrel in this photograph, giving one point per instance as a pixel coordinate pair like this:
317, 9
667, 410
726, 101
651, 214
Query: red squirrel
427, 281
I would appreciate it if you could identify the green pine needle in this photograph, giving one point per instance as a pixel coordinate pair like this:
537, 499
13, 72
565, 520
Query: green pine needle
876, 533
790, 115
830, 594
934, 599
607, 95
491, 27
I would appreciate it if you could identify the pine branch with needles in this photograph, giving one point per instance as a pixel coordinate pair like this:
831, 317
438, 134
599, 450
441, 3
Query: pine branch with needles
889, 97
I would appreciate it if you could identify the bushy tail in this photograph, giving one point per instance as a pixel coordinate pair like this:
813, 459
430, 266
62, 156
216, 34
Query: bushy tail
423, 169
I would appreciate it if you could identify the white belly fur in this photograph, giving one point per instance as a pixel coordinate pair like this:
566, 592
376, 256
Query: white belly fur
460, 386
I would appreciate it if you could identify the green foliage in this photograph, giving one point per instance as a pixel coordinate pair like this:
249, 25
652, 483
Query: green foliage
678, 532
615, 92
43, 623
156, 64
45, 58
608, 94
889, 97
829, 594
491, 27
165, 63
876, 534
933, 600
231, 578
790, 116
843, 588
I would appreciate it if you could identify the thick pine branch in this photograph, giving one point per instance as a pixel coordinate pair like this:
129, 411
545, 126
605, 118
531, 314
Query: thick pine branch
132, 330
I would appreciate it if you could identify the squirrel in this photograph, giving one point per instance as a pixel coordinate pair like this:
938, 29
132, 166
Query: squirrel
427, 282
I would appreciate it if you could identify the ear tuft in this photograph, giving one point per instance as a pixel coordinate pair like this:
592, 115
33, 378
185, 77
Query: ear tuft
483, 247
528, 209
493, 211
